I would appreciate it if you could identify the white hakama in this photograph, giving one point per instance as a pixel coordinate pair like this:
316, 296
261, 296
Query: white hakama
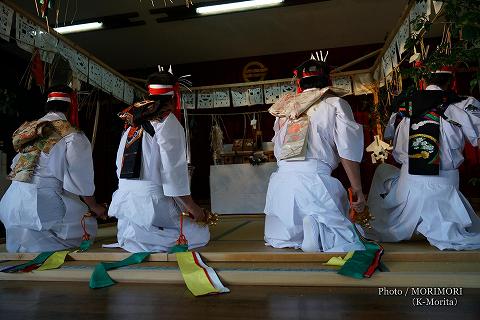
306, 207
45, 215
404, 204
148, 216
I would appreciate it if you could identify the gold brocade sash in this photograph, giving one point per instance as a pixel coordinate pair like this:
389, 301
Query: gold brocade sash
32, 138
294, 107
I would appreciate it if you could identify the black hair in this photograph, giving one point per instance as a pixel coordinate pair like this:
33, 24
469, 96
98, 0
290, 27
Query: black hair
321, 80
56, 105
441, 79
161, 101
314, 82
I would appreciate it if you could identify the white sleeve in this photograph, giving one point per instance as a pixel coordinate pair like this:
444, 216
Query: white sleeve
121, 149
174, 169
14, 161
390, 128
78, 174
466, 113
276, 128
348, 135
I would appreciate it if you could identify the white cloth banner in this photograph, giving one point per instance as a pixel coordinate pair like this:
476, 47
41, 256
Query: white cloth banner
344, 83
221, 98
205, 99
128, 94
25, 34
118, 87
6, 19
107, 81
95, 73
288, 87
239, 96
402, 36
272, 92
255, 96
240, 188
47, 44
188, 100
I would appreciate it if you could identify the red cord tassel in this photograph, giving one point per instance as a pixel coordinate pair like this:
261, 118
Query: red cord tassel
181, 238
74, 110
178, 101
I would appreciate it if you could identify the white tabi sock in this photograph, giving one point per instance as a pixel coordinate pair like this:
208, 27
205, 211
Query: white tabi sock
310, 235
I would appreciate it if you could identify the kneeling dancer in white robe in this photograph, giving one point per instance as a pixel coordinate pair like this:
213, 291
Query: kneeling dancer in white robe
314, 131
41, 209
153, 175
429, 132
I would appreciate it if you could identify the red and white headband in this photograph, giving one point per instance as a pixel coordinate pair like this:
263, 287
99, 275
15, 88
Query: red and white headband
160, 89
59, 96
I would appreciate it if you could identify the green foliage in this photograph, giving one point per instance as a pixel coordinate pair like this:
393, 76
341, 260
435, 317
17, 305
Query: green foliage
463, 17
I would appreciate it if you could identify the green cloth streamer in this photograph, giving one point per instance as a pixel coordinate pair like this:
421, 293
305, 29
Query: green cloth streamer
359, 263
179, 248
85, 245
100, 277
37, 261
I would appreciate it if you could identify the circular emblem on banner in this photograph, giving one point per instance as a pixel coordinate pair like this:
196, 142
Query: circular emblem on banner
254, 71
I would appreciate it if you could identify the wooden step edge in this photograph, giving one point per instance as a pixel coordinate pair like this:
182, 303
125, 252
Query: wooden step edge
440, 256
265, 278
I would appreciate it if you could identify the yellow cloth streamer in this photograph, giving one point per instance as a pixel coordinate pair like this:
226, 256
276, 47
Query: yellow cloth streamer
339, 261
54, 261
199, 278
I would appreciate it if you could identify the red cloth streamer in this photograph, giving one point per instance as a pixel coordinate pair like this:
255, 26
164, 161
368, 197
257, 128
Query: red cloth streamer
44, 8
178, 101
37, 69
158, 90
74, 110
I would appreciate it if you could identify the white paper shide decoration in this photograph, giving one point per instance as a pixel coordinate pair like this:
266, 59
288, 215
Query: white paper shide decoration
288, 87
255, 96
221, 98
47, 44
188, 100
68, 53
107, 81
418, 10
128, 94
26, 32
205, 99
80, 63
272, 92
239, 96
402, 36
344, 83
118, 86
95, 73
6, 19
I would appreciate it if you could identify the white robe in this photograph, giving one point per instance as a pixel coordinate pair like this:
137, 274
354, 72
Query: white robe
45, 215
430, 205
303, 192
148, 216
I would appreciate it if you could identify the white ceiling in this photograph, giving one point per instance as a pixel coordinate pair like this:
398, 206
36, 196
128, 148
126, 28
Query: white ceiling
324, 24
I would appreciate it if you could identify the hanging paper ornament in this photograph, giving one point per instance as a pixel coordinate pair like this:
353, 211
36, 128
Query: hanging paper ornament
6, 19
379, 149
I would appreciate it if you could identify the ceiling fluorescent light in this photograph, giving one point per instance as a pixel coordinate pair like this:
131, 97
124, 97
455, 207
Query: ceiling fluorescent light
237, 6
80, 27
